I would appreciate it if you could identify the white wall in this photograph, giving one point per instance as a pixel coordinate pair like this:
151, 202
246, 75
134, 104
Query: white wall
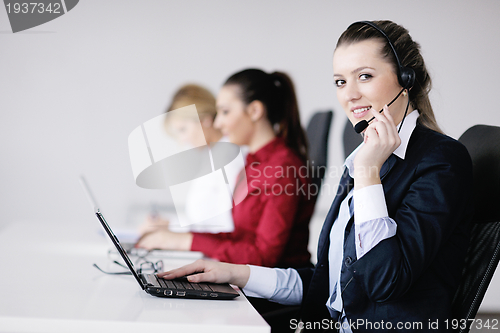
72, 90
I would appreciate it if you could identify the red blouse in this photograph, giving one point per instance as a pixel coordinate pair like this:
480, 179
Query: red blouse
271, 225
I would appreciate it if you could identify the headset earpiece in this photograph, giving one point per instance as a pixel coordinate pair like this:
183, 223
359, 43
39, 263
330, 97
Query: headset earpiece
406, 77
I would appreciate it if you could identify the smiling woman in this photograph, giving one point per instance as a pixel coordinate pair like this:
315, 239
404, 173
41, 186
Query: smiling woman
382, 40
372, 85
391, 250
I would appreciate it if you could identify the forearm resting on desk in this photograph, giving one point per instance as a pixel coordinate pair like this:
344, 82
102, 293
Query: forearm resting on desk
166, 240
153, 223
211, 271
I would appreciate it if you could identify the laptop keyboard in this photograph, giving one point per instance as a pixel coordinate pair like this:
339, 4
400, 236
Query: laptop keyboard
179, 284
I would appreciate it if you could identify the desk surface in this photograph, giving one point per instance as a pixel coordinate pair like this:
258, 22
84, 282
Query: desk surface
49, 285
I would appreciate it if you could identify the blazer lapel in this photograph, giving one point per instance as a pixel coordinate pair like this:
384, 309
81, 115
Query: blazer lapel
345, 185
387, 166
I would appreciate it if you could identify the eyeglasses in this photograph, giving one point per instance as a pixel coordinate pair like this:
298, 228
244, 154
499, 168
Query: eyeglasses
146, 267
149, 267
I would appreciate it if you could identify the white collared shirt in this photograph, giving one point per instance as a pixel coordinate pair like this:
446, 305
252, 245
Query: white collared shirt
372, 225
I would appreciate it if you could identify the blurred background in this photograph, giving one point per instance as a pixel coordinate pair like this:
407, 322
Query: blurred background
73, 89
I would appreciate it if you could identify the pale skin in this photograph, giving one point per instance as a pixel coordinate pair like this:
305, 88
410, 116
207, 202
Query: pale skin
365, 83
365, 80
244, 125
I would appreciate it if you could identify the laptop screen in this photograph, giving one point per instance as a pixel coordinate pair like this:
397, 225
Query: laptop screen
109, 232
118, 246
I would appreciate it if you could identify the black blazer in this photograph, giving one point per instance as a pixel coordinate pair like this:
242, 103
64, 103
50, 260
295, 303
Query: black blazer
412, 276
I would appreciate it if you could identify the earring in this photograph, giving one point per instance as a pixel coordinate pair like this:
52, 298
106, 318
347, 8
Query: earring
405, 93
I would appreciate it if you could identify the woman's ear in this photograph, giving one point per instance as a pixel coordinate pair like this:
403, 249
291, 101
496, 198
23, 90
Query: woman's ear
256, 110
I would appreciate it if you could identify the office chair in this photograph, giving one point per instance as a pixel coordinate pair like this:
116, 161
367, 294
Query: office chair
351, 138
318, 130
483, 254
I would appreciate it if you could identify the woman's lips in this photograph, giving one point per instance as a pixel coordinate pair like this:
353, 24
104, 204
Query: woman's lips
361, 112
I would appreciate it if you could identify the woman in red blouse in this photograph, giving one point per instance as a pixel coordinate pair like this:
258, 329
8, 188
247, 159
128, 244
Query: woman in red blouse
259, 110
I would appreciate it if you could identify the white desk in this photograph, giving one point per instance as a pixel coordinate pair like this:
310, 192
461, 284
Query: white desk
48, 284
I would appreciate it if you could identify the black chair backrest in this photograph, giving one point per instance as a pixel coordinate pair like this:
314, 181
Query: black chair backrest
318, 130
351, 138
483, 254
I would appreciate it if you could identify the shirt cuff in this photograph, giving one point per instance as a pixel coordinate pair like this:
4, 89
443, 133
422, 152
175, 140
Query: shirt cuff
370, 233
369, 204
261, 283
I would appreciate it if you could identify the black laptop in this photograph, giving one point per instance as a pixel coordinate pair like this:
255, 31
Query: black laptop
161, 287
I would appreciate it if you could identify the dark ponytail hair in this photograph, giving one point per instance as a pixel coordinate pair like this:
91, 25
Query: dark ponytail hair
277, 93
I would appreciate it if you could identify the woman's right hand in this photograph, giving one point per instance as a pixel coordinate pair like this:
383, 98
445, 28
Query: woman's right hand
211, 271
381, 139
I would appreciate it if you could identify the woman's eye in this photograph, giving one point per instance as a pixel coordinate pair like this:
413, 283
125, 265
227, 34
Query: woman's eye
339, 83
364, 77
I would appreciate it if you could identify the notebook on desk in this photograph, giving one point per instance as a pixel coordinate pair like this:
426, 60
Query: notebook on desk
160, 287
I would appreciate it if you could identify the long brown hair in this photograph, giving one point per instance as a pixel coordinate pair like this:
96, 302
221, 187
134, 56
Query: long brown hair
277, 93
409, 54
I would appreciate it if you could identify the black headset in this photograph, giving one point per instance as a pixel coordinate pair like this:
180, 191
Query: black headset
406, 75
406, 78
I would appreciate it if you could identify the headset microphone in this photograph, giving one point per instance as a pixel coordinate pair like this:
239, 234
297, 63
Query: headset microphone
363, 124
406, 76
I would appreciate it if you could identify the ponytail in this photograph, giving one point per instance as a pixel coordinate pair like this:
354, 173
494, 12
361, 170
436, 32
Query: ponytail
277, 93
290, 128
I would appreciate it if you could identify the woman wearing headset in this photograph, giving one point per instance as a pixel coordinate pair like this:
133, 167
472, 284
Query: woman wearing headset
391, 250
271, 224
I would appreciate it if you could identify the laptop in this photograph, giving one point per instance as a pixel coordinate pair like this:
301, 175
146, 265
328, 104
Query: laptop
150, 283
